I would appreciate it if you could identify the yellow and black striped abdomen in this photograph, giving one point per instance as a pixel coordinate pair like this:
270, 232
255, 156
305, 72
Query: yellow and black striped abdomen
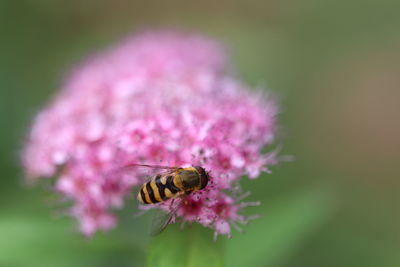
159, 189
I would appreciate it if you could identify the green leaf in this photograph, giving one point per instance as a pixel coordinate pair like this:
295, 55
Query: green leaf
271, 239
191, 247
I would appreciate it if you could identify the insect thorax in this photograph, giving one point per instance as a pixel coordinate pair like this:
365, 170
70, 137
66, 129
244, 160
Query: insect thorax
190, 179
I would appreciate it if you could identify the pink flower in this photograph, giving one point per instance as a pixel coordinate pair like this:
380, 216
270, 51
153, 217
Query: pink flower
158, 97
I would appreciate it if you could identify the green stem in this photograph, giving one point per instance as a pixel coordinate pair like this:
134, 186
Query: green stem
191, 247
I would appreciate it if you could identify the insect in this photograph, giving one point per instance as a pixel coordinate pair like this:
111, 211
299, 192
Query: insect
174, 182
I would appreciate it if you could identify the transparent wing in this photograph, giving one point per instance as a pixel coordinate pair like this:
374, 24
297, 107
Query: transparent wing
161, 220
142, 171
146, 172
133, 165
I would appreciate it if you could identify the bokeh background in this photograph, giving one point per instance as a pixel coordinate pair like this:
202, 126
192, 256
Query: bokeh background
335, 66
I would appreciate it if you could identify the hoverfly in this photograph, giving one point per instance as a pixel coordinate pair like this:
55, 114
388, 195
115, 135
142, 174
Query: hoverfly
174, 182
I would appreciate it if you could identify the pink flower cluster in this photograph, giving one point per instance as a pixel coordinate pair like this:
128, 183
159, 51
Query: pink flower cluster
157, 98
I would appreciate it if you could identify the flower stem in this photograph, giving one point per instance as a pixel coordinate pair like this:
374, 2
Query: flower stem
191, 247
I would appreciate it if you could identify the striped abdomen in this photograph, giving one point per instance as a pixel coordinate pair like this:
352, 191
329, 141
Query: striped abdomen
159, 189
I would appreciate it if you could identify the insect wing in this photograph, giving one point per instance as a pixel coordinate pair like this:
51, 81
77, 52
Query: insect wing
161, 220
133, 165
142, 172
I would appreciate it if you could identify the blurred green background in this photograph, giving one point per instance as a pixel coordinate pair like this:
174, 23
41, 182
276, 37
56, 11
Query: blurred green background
336, 66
